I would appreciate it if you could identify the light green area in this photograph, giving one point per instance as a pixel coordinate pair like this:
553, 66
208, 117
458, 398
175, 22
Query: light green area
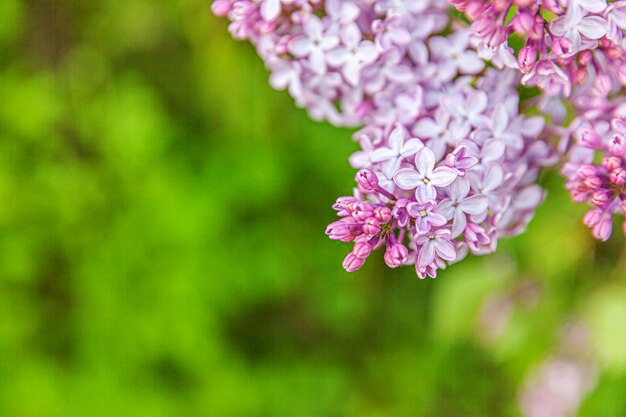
162, 250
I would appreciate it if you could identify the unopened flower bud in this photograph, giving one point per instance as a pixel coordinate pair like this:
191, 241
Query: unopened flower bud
593, 183
592, 217
396, 255
523, 23
338, 230
367, 180
362, 250
611, 163
618, 176
220, 8
590, 139
617, 145
351, 263
371, 226
599, 198
362, 211
382, 214
562, 47
586, 171
527, 58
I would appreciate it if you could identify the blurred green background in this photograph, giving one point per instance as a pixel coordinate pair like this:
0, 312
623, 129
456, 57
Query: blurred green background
162, 247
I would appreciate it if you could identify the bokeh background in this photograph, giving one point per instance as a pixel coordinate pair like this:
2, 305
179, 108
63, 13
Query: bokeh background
162, 248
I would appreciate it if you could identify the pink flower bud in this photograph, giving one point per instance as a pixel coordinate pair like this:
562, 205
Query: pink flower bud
497, 38
382, 214
362, 211
599, 198
602, 230
524, 23
351, 263
562, 47
396, 255
352, 206
367, 180
592, 217
593, 183
340, 205
552, 6
339, 230
220, 8
483, 27
527, 58
611, 163
371, 226
586, 171
362, 250
617, 145
618, 176
523, 3
500, 5
590, 139
475, 9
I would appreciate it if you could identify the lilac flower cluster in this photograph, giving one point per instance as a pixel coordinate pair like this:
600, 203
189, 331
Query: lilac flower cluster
447, 163
565, 42
454, 182
352, 62
602, 184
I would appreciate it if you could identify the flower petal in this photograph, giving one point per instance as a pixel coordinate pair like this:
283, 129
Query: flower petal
458, 224
270, 9
444, 249
382, 154
407, 179
442, 176
396, 139
475, 205
425, 161
427, 254
425, 192
446, 208
411, 147
391, 166
593, 27
459, 189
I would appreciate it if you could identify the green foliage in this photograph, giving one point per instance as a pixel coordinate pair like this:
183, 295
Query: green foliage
162, 249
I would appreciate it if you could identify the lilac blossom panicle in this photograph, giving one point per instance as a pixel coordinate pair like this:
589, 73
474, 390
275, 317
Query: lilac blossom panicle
572, 50
602, 185
566, 43
447, 164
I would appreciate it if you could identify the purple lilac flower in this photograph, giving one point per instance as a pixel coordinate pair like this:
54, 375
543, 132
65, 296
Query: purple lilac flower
601, 185
425, 179
567, 43
459, 205
391, 156
444, 150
